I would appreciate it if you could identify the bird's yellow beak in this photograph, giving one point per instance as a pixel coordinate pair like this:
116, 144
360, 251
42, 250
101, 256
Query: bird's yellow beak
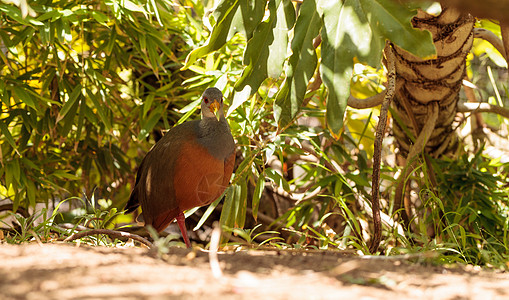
214, 108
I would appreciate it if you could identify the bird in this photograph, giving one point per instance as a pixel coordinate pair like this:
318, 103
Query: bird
190, 166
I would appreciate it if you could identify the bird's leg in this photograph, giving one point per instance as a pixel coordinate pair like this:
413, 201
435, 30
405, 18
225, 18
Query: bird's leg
181, 221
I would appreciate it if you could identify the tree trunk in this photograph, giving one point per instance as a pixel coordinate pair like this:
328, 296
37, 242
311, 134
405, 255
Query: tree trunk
427, 94
423, 83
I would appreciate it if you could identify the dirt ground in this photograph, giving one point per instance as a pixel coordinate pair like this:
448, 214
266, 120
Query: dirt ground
65, 271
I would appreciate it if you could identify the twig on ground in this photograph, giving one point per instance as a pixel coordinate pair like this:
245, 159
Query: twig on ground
110, 233
20, 210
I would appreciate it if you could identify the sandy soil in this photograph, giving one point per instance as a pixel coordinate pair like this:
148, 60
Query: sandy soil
64, 271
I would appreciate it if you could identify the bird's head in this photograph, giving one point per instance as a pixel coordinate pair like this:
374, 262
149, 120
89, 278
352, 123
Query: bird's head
212, 103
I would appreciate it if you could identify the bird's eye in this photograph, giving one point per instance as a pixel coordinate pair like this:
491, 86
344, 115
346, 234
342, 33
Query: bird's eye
206, 100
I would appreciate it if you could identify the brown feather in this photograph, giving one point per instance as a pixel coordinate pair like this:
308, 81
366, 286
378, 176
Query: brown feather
190, 166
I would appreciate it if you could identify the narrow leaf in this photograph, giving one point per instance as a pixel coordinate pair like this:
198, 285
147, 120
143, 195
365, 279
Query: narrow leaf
100, 109
152, 120
24, 97
70, 102
301, 66
241, 201
7, 134
257, 194
30, 192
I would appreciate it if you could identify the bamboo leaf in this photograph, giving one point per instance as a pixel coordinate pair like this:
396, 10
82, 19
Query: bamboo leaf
152, 120
73, 96
100, 109
241, 202
7, 134
30, 191
277, 179
24, 97
257, 194
337, 59
226, 213
16, 170
155, 60
207, 213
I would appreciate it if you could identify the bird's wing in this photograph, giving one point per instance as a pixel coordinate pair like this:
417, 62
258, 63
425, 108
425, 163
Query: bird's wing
156, 190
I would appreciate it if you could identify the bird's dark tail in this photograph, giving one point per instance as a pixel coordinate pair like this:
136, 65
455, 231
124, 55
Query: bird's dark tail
133, 202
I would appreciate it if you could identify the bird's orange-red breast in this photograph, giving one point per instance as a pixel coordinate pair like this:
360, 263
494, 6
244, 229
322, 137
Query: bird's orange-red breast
189, 167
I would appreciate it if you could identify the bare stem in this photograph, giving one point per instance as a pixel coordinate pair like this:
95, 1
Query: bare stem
380, 132
110, 233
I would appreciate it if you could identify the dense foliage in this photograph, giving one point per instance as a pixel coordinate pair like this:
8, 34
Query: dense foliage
87, 86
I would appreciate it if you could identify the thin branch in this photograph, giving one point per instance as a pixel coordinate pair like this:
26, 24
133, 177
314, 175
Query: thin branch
472, 107
414, 150
367, 102
297, 197
504, 30
380, 132
110, 233
468, 88
491, 38
20, 210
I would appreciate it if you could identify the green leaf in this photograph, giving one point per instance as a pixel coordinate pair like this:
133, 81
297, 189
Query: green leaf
52, 14
257, 194
241, 204
14, 13
228, 213
277, 179
24, 97
246, 18
337, 58
70, 102
359, 28
224, 14
111, 41
301, 66
147, 104
63, 174
7, 134
231, 16
265, 52
100, 109
152, 120
391, 20
16, 170
153, 56
100, 17
69, 119
30, 192
207, 213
